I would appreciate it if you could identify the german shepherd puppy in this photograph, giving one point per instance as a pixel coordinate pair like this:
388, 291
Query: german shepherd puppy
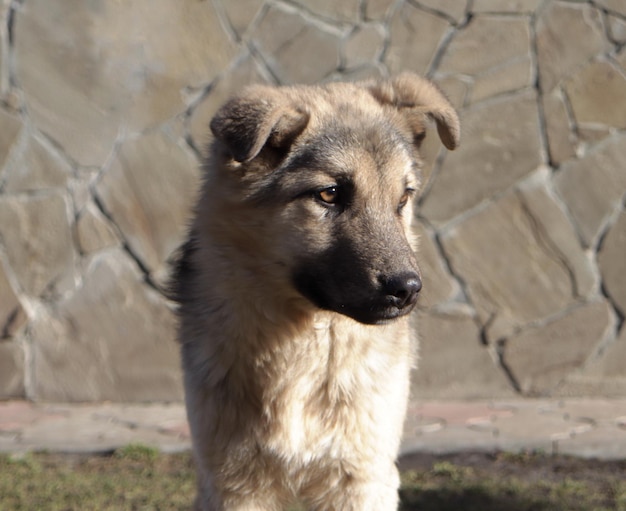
294, 288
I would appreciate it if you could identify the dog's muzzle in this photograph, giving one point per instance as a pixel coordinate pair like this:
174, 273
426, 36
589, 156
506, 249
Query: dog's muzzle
397, 297
385, 298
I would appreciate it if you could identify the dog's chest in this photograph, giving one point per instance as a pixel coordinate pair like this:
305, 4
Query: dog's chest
337, 387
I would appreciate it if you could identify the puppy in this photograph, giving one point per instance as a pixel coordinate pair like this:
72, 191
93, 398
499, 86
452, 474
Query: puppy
294, 288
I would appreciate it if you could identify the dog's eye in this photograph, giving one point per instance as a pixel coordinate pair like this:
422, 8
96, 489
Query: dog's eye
408, 194
328, 195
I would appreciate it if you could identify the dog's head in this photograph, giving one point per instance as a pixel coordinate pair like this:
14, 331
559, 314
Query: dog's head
330, 172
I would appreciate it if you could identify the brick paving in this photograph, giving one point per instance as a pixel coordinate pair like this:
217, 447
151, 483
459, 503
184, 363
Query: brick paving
580, 427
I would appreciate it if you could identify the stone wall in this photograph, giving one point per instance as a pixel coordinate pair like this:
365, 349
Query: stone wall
104, 111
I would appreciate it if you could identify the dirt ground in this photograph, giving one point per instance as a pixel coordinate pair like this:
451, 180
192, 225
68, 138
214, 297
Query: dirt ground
140, 478
511, 482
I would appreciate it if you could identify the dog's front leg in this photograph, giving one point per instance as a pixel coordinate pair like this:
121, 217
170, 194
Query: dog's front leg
358, 493
245, 494
206, 501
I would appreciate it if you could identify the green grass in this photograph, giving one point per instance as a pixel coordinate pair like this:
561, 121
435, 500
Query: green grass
140, 478
133, 478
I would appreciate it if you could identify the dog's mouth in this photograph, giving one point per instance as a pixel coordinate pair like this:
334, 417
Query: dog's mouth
378, 314
391, 298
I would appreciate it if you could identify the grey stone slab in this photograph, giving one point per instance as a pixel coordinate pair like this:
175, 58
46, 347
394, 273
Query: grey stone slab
415, 37
602, 442
112, 339
531, 428
568, 35
442, 429
36, 168
512, 277
80, 433
337, 10
556, 233
4, 40
561, 138
449, 440
516, 74
167, 419
612, 262
377, 9
37, 240
112, 63
542, 357
10, 127
91, 428
100, 92
180, 45
595, 93
620, 57
591, 134
501, 144
505, 6
148, 191
593, 186
93, 231
456, 90
12, 370
445, 339
241, 13
454, 9
64, 96
549, 422
602, 412
583, 427
12, 314
458, 413
438, 285
489, 42
296, 50
81, 187
603, 377
276, 29
617, 29
365, 72
613, 5
364, 45
17, 416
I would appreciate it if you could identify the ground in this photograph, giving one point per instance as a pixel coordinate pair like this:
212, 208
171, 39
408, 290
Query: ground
140, 478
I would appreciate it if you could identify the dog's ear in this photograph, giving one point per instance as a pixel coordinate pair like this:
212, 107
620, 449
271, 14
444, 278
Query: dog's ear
260, 116
416, 97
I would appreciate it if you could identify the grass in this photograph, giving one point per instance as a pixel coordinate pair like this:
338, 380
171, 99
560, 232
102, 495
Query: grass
133, 478
140, 478
505, 482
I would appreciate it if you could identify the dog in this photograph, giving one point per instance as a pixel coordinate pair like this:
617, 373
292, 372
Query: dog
294, 288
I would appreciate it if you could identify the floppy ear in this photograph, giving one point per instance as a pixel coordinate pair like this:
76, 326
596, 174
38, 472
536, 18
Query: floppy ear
416, 97
260, 116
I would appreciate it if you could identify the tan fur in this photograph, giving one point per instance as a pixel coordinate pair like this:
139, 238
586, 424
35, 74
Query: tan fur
287, 399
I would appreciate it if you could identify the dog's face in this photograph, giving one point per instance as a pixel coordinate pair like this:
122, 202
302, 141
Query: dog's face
330, 172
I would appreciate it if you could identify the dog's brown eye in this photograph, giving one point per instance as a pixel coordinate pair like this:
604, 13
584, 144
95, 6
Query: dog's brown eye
408, 193
329, 195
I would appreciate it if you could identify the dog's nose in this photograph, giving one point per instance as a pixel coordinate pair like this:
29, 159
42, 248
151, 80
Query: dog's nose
403, 289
